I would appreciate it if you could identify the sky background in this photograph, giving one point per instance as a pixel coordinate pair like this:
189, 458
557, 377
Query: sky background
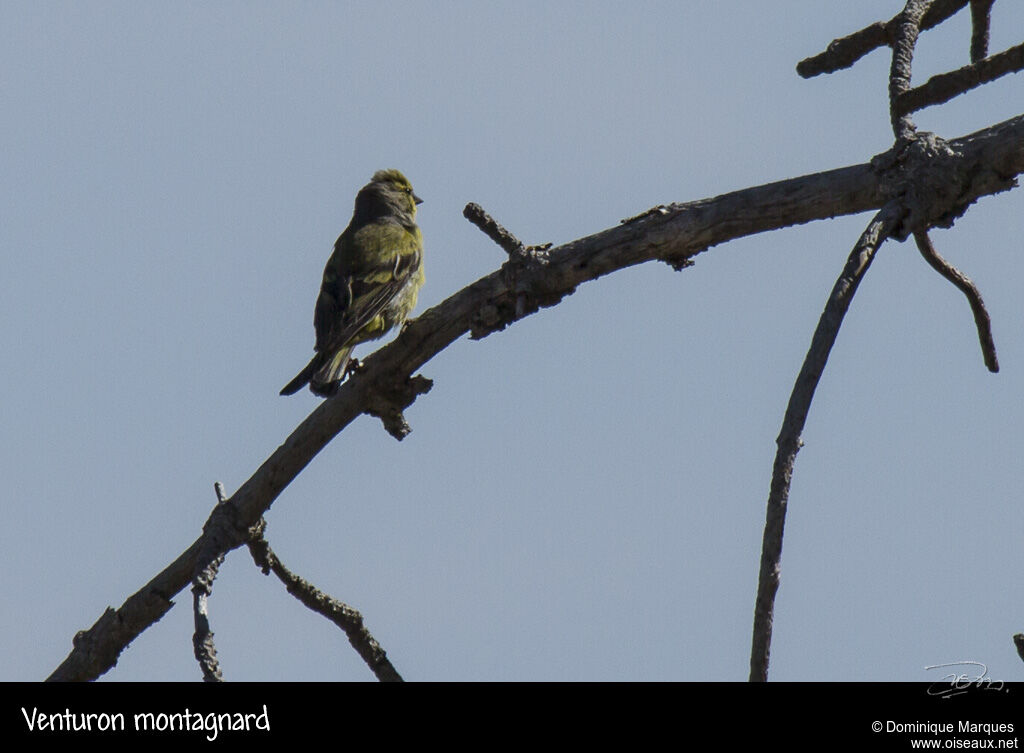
583, 494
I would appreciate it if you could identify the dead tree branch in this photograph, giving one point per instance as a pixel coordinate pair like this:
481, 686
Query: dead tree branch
489, 226
341, 614
981, 318
789, 442
673, 235
924, 195
202, 586
844, 52
944, 86
980, 22
904, 34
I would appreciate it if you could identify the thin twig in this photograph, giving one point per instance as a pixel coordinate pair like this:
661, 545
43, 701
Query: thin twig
944, 86
342, 615
519, 254
844, 52
789, 440
905, 33
980, 23
981, 318
476, 214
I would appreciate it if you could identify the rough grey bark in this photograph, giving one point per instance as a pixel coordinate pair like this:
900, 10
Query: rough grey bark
386, 384
928, 192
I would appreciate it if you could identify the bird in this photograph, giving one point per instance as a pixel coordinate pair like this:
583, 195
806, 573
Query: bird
370, 283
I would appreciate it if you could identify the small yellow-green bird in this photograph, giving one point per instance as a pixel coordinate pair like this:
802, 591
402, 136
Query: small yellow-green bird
370, 282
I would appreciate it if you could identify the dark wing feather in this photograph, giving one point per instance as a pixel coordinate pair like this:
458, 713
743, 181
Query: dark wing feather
356, 289
357, 299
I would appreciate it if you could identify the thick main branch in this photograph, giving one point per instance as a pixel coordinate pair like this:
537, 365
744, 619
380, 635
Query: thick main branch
673, 235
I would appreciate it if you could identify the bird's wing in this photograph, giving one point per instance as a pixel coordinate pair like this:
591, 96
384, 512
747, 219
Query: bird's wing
360, 292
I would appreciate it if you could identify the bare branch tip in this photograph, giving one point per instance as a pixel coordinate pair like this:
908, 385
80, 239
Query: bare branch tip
845, 51
388, 401
341, 614
490, 227
982, 320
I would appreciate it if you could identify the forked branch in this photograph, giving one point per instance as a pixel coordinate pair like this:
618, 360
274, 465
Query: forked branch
925, 194
844, 52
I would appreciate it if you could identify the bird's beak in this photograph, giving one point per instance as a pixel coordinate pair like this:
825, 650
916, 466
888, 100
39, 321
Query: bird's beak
417, 199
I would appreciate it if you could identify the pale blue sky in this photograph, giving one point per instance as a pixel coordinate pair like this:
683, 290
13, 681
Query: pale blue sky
582, 496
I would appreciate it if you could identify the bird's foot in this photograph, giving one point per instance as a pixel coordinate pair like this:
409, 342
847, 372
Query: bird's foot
354, 365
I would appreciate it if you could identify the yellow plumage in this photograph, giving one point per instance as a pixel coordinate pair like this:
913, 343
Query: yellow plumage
371, 281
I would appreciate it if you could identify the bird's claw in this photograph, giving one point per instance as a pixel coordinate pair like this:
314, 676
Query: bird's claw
353, 365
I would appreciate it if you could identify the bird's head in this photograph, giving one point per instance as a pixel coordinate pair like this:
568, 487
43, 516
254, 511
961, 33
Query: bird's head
389, 194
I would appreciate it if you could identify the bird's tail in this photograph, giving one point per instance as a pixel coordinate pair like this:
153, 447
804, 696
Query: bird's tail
323, 374
327, 378
303, 376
